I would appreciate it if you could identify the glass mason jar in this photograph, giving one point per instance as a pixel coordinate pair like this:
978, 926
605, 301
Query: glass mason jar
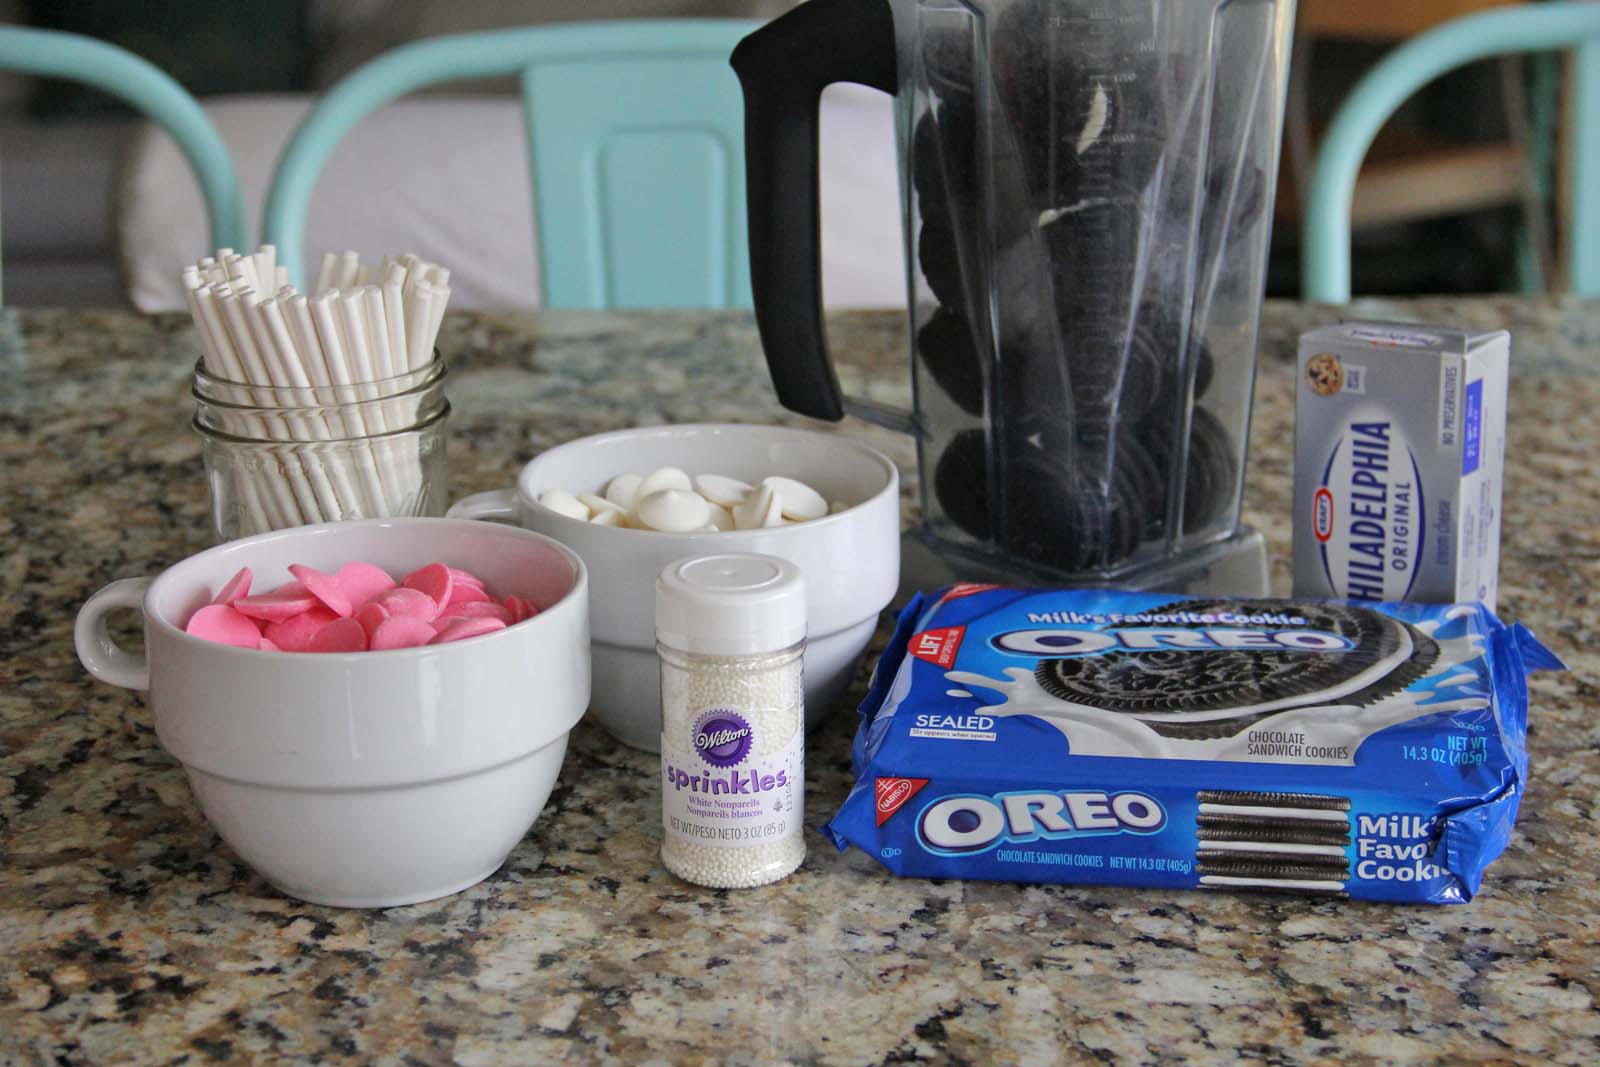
279, 456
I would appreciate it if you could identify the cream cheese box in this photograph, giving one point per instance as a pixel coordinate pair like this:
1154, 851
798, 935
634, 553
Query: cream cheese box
1399, 455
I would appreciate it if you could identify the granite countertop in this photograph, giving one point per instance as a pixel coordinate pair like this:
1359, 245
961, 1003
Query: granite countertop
129, 933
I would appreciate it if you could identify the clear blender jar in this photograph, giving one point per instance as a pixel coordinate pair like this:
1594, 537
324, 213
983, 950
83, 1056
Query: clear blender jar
1087, 191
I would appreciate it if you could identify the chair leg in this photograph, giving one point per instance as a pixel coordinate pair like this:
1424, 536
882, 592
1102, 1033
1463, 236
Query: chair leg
1583, 170
1533, 236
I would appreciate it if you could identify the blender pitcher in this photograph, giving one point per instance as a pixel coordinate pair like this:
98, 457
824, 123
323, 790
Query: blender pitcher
1087, 193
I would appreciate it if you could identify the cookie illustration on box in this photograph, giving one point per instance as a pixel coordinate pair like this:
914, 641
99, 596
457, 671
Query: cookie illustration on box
1349, 657
1325, 374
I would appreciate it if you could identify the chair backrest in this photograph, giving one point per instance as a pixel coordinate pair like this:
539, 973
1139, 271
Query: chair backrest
636, 130
54, 54
1325, 247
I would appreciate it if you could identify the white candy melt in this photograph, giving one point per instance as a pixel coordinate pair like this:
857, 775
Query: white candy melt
623, 490
721, 490
800, 502
674, 510
763, 508
663, 478
564, 503
598, 504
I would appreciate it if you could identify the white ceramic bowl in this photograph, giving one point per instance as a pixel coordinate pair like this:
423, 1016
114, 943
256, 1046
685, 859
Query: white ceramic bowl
851, 560
364, 779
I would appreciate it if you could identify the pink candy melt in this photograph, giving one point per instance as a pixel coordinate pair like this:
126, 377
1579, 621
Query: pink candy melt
401, 632
478, 609
461, 629
359, 608
282, 603
295, 634
370, 615
435, 580
341, 635
466, 577
363, 581
411, 602
325, 587
461, 593
520, 608
222, 624
235, 587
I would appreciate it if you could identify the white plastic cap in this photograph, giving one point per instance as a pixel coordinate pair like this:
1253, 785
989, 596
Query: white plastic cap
732, 604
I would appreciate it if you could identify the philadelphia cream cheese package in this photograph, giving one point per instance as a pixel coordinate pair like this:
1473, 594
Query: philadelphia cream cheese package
1399, 449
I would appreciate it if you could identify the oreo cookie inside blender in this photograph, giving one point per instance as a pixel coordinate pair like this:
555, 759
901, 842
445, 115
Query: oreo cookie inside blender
1059, 514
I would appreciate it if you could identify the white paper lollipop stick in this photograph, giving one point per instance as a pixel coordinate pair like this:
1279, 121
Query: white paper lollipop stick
363, 369
260, 359
325, 316
271, 489
378, 332
394, 316
349, 267
327, 467
419, 314
341, 424
325, 276
305, 428
212, 359
359, 348
440, 300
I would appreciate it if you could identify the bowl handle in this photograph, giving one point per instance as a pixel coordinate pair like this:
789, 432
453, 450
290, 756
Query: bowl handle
99, 654
497, 505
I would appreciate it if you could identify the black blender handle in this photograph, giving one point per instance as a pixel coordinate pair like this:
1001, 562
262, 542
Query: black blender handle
783, 68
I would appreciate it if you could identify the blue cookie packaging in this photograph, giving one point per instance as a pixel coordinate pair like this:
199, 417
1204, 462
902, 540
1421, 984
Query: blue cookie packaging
1371, 751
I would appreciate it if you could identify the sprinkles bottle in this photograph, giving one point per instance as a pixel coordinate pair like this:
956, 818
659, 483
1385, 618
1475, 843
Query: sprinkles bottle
730, 630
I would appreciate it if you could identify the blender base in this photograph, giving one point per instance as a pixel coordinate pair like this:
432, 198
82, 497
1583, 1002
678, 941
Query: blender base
1236, 566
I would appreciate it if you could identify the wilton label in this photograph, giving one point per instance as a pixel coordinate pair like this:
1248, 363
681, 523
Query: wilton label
714, 791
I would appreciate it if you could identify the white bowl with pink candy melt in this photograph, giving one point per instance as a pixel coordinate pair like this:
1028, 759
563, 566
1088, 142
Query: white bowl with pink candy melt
402, 727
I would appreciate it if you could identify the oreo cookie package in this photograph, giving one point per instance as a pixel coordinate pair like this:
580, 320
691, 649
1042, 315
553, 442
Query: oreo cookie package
1372, 751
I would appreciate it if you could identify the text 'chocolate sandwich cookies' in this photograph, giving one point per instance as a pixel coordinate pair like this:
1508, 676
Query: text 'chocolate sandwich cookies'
1371, 751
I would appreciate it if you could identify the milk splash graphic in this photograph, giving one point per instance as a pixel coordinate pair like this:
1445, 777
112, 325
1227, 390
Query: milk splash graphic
1328, 726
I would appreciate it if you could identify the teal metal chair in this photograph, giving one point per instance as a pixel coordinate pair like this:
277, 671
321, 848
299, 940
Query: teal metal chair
636, 130
1325, 248
53, 54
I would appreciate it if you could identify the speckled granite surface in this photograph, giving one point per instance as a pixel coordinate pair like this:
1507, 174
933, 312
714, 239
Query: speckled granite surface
128, 933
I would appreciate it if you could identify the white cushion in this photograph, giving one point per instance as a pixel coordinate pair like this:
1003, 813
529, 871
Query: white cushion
447, 178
